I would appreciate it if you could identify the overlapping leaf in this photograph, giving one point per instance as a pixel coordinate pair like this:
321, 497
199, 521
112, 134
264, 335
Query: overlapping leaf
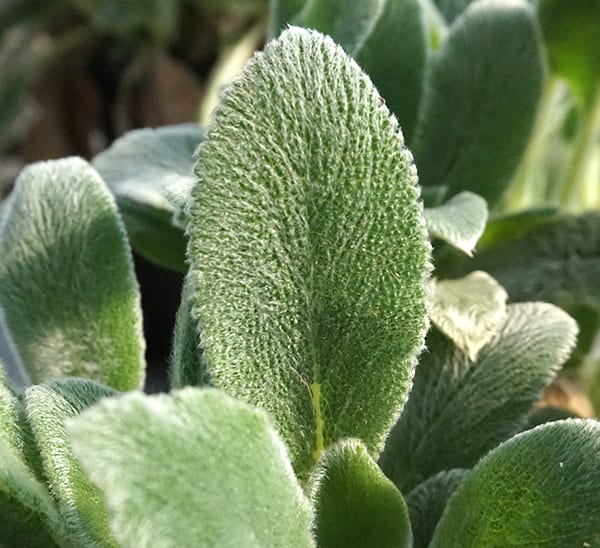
538, 489
458, 409
67, 286
193, 468
308, 248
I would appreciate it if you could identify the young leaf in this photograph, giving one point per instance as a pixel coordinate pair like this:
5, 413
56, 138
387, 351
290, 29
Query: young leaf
458, 409
480, 99
28, 515
79, 501
150, 172
192, 468
460, 221
538, 489
470, 311
67, 286
188, 366
427, 501
348, 23
394, 56
308, 251
355, 504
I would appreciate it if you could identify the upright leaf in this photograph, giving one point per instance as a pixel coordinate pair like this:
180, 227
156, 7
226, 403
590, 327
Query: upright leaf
394, 56
80, 503
538, 489
150, 172
480, 98
355, 504
349, 23
195, 468
67, 286
308, 251
458, 409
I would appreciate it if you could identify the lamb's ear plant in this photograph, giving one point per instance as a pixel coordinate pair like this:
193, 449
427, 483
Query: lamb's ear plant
324, 409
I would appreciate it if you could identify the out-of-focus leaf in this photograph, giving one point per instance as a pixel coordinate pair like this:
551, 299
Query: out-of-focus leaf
458, 409
470, 311
394, 57
538, 489
451, 9
481, 92
80, 503
192, 468
154, 18
572, 36
435, 24
460, 221
67, 287
427, 501
282, 13
355, 504
150, 172
308, 250
349, 23
26, 12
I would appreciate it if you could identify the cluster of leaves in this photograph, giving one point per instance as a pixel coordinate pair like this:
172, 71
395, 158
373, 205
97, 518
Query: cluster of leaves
312, 403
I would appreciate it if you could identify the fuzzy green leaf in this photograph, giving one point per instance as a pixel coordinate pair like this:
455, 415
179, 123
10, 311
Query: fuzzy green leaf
67, 287
470, 311
79, 502
460, 221
308, 250
480, 99
538, 489
394, 56
192, 468
355, 504
349, 23
458, 409
427, 501
188, 366
572, 36
150, 172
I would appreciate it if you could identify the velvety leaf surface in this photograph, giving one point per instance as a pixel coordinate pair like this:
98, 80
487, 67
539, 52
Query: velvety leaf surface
67, 287
150, 172
188, 366
28, 515
394, 56
80, 503
308, 250
195, 468
427, 502
470, 311
481, 92
460, 221
459, 409
349, 23
538, 489
355, 504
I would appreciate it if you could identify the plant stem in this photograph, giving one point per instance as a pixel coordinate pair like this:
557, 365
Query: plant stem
572, 186
522, 193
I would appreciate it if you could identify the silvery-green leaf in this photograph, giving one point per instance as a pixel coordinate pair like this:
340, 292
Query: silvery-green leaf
188, 366
459, 409
394, 56
540, 489
308, 251
283, 12
195, 468
67, 286
150, 172
470, 310
427, 501
28, 514
460, 221
349, 23
355, 504
79, 502
435, 24
481, 93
